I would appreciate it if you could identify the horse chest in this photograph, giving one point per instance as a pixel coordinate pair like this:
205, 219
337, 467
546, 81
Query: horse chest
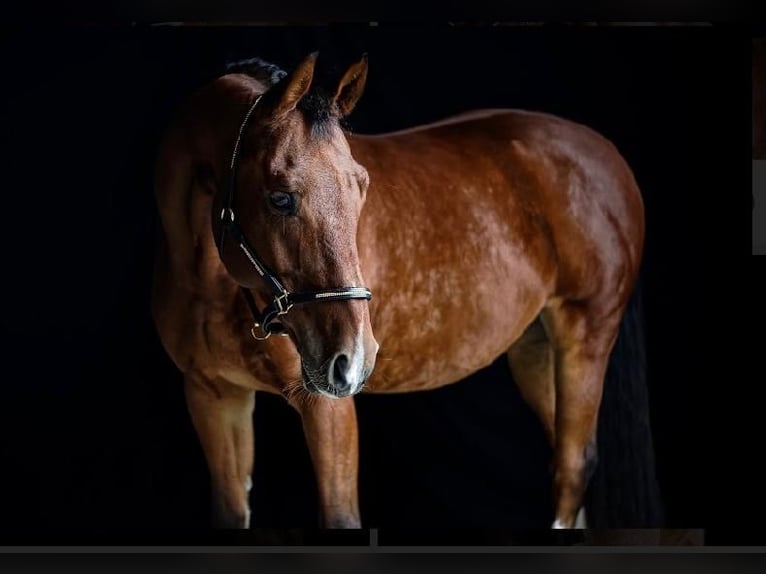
219, 346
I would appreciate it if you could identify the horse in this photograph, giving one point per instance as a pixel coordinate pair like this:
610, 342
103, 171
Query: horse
300, 259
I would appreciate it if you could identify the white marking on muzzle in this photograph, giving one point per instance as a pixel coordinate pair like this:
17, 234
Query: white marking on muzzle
356, 367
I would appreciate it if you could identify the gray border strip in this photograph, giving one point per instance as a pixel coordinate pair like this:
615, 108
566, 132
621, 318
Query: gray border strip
575, 549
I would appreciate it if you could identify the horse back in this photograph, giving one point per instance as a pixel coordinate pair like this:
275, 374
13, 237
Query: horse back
552, 189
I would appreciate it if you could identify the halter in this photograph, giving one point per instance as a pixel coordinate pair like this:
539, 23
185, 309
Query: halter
283, 299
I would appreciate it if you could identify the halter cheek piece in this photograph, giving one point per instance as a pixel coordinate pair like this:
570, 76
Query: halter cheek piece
283, 300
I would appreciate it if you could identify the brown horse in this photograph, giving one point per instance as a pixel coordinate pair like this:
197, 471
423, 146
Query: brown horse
496, 231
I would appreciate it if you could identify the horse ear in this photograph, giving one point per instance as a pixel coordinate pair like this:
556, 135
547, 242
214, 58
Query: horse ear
351, 86
296, 84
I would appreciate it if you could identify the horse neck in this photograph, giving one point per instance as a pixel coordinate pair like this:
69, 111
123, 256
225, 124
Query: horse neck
377, 155
383, 204
225, 101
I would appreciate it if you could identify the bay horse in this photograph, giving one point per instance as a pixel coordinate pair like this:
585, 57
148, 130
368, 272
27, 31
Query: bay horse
300, 259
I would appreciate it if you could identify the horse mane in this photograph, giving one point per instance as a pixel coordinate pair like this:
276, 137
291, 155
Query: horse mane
317, 105
263, 71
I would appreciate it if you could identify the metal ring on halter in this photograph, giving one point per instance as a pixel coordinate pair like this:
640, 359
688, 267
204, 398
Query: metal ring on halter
256, 337
267, 333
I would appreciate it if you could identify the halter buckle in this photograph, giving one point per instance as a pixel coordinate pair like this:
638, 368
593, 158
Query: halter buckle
281, 302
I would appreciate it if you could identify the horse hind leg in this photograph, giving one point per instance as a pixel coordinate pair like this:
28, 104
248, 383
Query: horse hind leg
532, 361
582, 341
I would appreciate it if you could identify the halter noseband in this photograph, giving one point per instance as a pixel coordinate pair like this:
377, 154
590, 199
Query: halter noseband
283, 300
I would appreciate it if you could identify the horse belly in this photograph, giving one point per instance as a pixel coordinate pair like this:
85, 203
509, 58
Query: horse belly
466, 319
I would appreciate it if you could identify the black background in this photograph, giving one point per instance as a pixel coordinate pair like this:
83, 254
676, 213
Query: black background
94, 433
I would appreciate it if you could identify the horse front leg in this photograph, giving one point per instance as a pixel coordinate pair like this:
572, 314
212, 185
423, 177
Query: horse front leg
332, 437
222, 414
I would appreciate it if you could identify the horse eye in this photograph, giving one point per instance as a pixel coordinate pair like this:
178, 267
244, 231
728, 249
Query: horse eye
282, 202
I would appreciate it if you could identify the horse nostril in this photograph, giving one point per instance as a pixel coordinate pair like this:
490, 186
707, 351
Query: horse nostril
340, 372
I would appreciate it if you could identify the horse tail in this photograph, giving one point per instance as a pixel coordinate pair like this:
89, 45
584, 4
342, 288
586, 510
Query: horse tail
623, 491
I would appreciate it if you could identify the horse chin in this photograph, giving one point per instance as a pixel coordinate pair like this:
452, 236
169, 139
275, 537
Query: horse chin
314, 389
321, 392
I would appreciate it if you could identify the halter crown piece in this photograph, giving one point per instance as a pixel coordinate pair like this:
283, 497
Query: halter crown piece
283, 299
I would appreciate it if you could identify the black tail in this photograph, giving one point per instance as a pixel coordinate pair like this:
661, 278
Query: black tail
623, 491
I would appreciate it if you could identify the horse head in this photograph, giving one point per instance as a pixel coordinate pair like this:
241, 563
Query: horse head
298, 195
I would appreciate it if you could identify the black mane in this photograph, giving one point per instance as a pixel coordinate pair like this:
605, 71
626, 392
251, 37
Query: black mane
263, 71
317, 105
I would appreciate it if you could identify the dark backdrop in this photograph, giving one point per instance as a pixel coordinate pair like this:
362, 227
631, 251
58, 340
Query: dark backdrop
94, 432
